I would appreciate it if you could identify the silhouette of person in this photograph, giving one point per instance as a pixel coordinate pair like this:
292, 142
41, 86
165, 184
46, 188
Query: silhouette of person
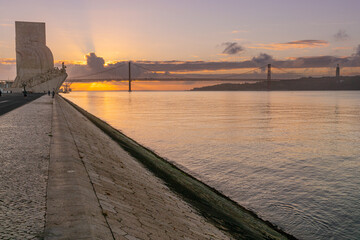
49, 93
53, 94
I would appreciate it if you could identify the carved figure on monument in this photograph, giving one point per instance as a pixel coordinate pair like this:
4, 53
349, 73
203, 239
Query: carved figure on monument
63, 67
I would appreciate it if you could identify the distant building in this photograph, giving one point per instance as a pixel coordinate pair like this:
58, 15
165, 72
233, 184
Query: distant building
5, 85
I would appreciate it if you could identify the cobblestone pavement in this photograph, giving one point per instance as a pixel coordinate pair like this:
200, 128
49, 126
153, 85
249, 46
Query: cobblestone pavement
135, 203
24, 157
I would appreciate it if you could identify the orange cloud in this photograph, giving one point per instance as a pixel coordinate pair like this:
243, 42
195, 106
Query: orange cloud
342, 48
70, 62
5, 25
293, 45
7, 61
107, 63
239, 31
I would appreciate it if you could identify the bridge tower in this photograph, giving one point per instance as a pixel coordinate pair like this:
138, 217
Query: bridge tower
337, 71
129, 76
268, 76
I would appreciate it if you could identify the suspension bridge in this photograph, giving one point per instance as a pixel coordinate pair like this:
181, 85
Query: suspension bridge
125, 72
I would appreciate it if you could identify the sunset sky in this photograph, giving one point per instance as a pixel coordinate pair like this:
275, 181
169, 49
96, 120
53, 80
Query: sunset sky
293, 34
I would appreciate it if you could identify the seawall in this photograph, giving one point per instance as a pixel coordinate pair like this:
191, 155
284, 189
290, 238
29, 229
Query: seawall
100, 184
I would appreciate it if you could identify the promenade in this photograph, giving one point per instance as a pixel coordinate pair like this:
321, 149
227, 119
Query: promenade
63, 178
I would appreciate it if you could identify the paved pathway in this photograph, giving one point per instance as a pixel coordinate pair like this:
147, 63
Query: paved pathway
72, 208
24, 156
134, 203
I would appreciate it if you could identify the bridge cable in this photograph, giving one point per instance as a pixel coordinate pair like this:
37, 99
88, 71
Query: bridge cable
290, 73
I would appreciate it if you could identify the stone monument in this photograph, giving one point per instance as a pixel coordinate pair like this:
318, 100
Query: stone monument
34, 60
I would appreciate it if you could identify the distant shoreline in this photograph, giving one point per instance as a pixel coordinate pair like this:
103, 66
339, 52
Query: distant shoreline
302, 84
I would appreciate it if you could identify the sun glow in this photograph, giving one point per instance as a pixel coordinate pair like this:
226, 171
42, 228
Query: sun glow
136, 86
97, 86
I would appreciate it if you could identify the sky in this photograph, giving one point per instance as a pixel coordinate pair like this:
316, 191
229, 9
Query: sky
228, 36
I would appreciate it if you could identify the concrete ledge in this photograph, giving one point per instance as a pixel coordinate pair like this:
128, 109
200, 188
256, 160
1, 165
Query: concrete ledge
217, 208
73, 210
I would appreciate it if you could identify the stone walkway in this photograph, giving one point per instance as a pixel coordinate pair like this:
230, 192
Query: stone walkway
62, 178
134, 203
24, 157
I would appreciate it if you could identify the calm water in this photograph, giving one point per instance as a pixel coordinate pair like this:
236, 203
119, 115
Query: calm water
292, 157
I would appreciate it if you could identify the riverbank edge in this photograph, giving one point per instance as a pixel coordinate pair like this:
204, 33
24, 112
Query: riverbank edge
223, 212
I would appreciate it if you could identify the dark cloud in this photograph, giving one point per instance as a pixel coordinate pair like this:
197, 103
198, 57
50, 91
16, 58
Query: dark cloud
341, 35
308, 42
354, 60
311, 62
357, 51
262, 59
94, 62
119, 70
232, 48
185, 68
294, 44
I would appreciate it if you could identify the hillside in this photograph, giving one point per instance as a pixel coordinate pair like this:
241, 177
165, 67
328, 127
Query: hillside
302, 84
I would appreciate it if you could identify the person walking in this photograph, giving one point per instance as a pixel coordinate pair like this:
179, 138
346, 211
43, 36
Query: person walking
53, 94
